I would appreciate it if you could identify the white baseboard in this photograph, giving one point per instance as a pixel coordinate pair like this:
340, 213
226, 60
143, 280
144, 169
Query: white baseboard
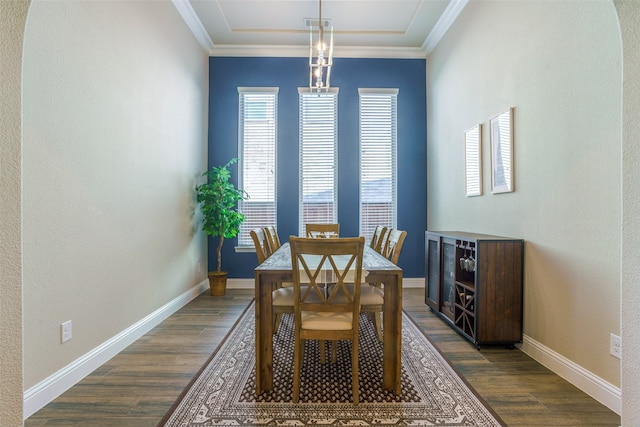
44, 392
601, 390
47, 390
413, 282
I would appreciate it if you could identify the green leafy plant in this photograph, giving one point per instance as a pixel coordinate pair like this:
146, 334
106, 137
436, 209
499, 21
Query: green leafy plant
218, 199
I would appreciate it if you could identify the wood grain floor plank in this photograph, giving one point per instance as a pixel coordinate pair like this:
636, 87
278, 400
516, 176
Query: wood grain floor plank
136, 387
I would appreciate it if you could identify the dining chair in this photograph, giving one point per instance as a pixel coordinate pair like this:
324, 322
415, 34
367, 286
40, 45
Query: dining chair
272, 238
372, 297
261, 244
393, 245
378, 238
282, 299
322, 230
331, 316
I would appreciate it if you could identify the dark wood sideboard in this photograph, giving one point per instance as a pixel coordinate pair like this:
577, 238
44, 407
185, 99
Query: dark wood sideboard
481, 298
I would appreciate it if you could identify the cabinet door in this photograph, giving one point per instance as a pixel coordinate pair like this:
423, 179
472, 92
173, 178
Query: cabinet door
432, 291
448, 277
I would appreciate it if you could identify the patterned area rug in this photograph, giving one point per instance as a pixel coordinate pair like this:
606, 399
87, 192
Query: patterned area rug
223, 392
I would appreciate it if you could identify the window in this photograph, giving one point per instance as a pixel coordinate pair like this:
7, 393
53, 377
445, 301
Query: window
378, 159
318, 157
257, 135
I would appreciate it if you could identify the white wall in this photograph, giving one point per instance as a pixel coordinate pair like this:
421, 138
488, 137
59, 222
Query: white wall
629, 13
115, 129
12, 18
559, 64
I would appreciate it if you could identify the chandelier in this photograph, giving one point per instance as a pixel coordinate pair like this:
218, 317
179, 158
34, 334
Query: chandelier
319, 63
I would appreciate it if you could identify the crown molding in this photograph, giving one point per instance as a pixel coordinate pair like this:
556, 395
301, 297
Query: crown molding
303, 51
447, 19
193, 22
450, 14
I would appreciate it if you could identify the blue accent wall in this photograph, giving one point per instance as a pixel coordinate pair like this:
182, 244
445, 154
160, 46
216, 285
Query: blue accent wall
348, 74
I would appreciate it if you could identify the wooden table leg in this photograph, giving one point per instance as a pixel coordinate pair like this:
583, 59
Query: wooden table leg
392, 345
264, 334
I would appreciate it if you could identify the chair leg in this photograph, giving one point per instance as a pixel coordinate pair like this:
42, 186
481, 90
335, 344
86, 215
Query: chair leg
334, 351
298, 354
377, 321
323, 357
355, 372
276, 322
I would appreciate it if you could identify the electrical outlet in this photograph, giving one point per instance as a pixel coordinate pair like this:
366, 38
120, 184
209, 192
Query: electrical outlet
615, 345
65, 331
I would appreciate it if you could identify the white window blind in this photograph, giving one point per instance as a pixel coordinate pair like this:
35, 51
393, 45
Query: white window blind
318, 159
257, 136
378, 159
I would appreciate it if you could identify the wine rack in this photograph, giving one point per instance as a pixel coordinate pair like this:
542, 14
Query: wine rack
474, 281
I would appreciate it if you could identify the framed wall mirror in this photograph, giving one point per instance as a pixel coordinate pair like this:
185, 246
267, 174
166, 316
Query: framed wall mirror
501, 132
473, 161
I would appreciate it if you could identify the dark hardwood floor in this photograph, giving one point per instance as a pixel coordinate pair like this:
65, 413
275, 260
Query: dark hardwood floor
137, 387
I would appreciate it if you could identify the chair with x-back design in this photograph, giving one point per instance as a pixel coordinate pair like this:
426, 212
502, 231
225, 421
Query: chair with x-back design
272, 238
393, 245
378, 238
322, 230
322, 313
372, 297
261, 244
282, 300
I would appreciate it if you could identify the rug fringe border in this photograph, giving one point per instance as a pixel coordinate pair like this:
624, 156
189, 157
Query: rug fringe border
175, 405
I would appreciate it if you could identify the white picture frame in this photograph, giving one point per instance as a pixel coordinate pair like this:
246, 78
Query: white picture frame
501, 134
473, 161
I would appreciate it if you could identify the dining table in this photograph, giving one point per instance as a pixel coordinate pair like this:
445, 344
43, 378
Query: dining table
277, 269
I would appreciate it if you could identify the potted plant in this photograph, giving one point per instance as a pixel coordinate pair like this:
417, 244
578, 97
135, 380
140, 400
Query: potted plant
218, 199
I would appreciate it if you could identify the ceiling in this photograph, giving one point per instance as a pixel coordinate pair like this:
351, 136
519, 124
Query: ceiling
361, 28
